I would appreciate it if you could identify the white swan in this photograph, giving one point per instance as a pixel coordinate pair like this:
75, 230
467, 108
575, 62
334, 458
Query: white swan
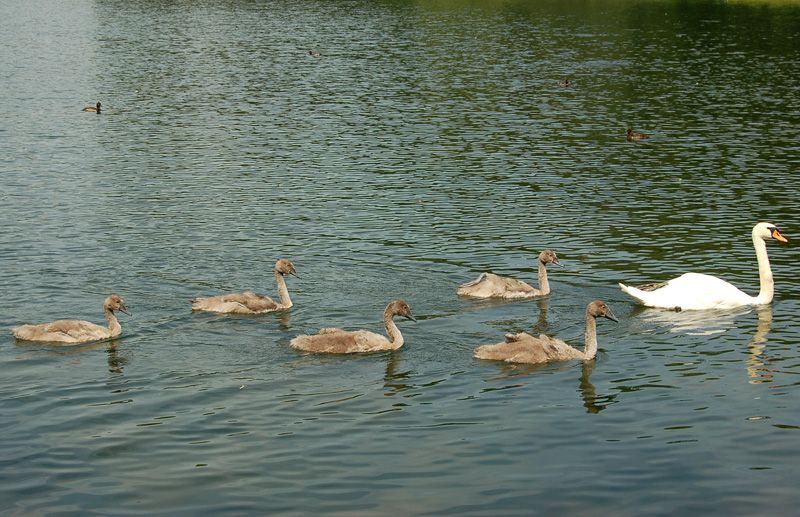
525, 348
695, 291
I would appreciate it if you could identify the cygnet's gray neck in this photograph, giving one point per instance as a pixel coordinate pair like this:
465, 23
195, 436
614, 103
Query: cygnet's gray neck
544, 285
283, 291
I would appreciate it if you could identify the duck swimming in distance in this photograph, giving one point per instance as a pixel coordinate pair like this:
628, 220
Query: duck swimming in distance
93, 109
633, 136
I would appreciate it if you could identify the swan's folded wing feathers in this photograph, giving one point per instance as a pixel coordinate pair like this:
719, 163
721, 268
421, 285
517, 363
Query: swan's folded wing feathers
481, 278
330, 330
72, 328
338, 342
651, 286
522, 356
514, 338
370, 341
512, 284
258, 303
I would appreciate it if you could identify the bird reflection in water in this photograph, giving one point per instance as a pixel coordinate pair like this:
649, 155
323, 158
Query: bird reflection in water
591, 401
393, 380
541, 324
116, 362
713, 322
757, 372
284, 318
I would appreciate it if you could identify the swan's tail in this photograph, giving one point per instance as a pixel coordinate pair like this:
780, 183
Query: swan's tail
634, 292
24, 332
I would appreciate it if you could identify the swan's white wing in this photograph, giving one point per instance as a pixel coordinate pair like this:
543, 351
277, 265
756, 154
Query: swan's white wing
692, 291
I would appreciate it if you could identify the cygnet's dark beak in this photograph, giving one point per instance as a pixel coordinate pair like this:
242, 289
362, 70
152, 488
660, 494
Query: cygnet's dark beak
610, 315
410, 317
557, 263
124, 309
290, 272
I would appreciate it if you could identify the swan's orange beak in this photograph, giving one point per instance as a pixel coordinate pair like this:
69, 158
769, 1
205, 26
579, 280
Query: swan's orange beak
776, 234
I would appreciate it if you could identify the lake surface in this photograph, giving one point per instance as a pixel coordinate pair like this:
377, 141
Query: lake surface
428, 142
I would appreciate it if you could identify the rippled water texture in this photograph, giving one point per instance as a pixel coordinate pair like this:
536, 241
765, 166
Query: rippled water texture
427, 143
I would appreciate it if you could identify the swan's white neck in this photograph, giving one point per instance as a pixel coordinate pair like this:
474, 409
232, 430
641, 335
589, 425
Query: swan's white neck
767, 288
544, 285
395, 337
283, 292
590, 350
114, 328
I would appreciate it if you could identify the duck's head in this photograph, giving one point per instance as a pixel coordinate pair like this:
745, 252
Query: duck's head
768, 231
400, 308
599, 309
549, 257
284, 267
115, 303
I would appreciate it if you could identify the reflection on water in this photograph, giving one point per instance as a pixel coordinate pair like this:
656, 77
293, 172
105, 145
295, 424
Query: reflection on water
284, 320
757, 371
693, 323
393, 380
591, 401
540, 327
116, 361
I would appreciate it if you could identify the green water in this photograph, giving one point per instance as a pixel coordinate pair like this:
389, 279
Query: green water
429, 142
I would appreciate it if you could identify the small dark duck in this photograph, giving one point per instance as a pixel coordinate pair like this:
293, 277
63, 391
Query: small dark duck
93, 109
632, 135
